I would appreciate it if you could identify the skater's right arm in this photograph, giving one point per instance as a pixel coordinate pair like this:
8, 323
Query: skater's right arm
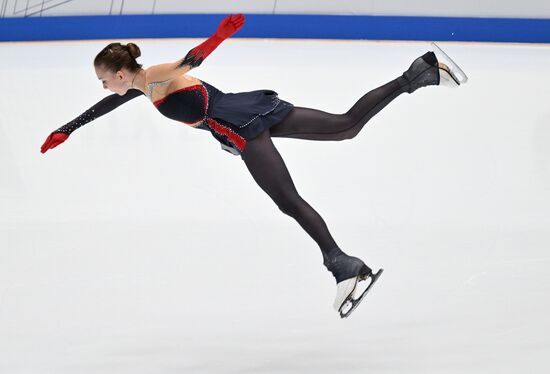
165, 72
102, 107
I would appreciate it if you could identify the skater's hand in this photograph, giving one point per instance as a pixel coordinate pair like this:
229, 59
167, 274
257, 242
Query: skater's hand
230, 25
53, 140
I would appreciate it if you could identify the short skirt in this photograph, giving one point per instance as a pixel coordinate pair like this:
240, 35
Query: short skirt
247, 114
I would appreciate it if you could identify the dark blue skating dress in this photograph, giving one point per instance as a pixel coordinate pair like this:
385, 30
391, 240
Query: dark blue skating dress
232, 118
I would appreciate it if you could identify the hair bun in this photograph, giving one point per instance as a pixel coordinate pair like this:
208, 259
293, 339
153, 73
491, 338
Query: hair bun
134, 50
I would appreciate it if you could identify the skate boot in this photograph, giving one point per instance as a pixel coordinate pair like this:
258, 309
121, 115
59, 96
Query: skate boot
432, 69
348, 271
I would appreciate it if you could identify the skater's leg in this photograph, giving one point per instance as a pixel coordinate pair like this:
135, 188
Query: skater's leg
270, 172
312, 124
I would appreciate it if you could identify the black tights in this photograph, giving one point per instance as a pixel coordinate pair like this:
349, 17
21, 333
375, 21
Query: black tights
269, 170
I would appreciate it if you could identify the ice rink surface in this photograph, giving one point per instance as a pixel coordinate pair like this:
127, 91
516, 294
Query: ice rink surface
139, 246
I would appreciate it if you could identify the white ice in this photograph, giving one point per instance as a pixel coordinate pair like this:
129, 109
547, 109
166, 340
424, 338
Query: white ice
139, 246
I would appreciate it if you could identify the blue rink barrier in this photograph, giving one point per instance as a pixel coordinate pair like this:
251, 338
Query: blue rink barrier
278, 26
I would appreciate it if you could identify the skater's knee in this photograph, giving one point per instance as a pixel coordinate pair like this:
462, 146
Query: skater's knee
350, 126
289, 205
348, 134
287, 208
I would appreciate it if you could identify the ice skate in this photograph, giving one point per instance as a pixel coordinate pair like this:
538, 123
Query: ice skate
348, 271
433, 69
346, 302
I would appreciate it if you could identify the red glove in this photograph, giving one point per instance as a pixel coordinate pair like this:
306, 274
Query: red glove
53, 141
230, 25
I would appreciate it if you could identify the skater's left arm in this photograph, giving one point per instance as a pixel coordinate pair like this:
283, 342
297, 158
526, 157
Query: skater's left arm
101, 108
164, 72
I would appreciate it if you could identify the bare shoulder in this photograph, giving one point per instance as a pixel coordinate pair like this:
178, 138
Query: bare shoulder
156, 90
165, 72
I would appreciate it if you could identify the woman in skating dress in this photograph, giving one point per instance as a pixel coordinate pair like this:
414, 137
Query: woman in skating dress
244, 123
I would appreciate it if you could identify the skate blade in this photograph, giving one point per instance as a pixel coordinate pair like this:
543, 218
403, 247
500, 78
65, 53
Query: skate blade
447, 79
349, 305
455, 71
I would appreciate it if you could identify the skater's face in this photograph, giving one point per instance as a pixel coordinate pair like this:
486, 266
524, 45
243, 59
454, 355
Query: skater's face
117, 82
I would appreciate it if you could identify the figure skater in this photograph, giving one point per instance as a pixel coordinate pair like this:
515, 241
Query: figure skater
245, 122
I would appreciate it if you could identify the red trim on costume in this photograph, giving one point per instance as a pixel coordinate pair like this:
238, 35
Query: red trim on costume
232, 136
189, 88
205, 97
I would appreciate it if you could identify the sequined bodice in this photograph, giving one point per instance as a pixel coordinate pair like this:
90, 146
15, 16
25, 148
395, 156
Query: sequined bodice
225, 115
188, 105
